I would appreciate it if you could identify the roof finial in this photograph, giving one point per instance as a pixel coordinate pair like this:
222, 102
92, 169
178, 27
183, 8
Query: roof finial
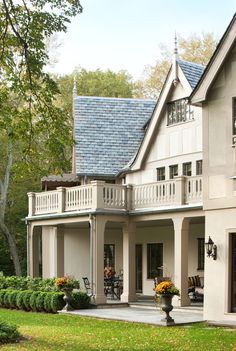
174, 61
74, 88
175, 46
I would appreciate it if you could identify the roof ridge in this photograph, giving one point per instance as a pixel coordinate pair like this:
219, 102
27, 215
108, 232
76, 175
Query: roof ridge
113, 98
192, 63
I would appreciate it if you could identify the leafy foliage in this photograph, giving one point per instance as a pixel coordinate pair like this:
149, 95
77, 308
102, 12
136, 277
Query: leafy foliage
34, 132
195, 48
8, 333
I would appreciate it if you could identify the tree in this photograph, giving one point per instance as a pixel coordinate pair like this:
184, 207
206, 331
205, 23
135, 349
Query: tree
196, 48
33, 131
93, 83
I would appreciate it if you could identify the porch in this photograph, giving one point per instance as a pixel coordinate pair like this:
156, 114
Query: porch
139, 250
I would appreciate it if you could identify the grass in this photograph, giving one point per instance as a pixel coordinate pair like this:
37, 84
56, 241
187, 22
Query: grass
70, 333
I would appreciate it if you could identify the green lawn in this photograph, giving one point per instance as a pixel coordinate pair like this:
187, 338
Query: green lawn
60, 332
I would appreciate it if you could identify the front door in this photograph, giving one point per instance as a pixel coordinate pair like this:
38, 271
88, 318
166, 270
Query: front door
139, 268
233, 274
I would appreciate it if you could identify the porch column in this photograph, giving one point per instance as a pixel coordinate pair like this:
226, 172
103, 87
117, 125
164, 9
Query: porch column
97, 247
181, 230
52, 252
33, 250
129, 291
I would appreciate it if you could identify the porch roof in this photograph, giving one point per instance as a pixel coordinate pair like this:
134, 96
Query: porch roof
108, 132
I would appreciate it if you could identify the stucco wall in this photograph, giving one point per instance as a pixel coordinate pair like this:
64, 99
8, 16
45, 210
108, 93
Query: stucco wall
219, 224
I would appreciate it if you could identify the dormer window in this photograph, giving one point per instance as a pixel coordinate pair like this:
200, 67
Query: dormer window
179, 111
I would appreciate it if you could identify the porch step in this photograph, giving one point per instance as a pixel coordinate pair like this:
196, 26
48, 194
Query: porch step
110, 305
193, 309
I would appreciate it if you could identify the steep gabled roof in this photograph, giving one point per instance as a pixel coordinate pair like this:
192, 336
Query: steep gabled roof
192, 71
224, 46
108, 132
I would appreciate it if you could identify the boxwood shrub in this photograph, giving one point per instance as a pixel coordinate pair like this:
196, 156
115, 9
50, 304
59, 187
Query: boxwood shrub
33, 298
57, 302
80, 300
12, 298
2, 293
8, 333
40, 302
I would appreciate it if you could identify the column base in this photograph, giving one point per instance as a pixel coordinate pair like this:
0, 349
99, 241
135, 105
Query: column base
100, 299
181, 301
128, 298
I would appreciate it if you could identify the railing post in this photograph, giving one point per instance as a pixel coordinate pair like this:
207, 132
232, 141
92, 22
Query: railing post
129, 197
180, 190
61, 199
31, 197
97, 194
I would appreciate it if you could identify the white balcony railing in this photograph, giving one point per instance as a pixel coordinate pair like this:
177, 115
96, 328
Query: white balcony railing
101, 195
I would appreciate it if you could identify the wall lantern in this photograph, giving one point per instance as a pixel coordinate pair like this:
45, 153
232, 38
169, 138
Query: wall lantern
211, 249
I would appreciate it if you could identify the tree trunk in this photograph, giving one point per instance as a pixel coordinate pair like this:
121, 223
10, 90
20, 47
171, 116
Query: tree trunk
12, 246
4, 187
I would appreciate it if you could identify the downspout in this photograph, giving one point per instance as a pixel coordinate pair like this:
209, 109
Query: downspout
73, 111
91, 226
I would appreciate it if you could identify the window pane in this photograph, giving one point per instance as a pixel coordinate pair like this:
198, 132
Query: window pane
187, 169
173, 171
201, 253
199, 167
179, 111
234, 116
154, 260
161, 173
109, 255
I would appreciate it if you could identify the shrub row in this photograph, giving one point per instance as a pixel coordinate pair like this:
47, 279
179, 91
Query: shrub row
27, 283
39, 301
8, 333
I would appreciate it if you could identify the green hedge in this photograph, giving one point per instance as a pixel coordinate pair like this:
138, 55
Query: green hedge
39, 301
8, 333
27, 283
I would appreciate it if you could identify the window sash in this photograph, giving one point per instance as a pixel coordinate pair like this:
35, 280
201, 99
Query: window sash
234, 116
201, 253
179, 111
173, 171
109, 255
199, 167
161, 173
187, 169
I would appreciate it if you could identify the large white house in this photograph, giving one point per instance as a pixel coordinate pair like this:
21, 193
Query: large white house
137, 200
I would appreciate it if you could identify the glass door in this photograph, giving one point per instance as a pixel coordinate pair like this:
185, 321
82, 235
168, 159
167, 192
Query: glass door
139, 268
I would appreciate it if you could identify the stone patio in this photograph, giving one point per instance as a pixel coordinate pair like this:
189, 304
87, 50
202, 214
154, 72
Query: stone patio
141, 314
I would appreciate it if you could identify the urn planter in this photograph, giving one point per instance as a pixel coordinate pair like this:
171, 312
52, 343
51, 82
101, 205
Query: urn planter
68, 299
166, 306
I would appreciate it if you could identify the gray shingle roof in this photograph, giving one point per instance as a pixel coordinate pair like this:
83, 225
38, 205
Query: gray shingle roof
108, 132
192, 71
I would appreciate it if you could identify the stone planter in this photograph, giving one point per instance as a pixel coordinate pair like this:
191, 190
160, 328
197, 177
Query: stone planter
68, 299
166, 306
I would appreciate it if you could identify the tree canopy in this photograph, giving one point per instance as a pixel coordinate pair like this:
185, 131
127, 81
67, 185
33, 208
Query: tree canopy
195, 48
33, 130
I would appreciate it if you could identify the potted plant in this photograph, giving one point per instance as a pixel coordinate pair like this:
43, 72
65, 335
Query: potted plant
109, 272
67, 284
165, 292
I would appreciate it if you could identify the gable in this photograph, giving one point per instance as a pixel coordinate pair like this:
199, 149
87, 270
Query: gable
169, 93
214, 66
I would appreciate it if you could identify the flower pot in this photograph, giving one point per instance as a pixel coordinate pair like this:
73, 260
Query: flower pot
68, 299
166, 306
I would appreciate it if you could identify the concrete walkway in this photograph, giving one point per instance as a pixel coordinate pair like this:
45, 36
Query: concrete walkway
141, 315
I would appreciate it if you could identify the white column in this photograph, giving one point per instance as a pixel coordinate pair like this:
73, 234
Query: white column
52, 252
129, 290
99, 224
181, 229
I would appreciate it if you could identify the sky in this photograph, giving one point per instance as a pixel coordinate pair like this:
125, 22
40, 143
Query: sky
126, 34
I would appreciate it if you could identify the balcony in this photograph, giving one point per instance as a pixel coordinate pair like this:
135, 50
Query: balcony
104, 196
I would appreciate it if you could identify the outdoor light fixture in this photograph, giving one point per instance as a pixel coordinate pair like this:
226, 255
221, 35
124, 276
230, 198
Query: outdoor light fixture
211, 248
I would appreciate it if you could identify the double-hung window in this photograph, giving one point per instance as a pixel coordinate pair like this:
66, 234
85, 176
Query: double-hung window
187, 169
161, 174
173, 169
199, 167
